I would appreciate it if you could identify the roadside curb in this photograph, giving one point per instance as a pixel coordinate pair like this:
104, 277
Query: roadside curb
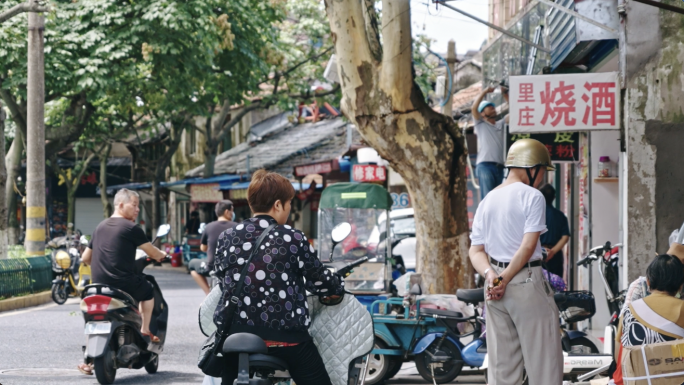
25, 301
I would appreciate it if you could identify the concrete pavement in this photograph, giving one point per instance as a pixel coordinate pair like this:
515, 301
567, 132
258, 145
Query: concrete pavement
42, 345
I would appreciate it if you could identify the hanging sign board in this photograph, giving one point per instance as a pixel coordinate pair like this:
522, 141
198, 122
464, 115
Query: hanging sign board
369, 173
563, 146
562, 103
205, 193
317, 168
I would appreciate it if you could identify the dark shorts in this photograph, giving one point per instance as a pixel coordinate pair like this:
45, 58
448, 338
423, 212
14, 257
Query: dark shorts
139, 288
200, 266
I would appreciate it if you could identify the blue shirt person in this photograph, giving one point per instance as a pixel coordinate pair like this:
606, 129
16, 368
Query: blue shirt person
557, 235
489, 131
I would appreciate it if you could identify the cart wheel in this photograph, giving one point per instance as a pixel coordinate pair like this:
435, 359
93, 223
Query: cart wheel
378, 365
447, 371
395, 367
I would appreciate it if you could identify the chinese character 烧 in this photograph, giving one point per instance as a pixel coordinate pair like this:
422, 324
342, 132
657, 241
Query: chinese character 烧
602, 109
558, 104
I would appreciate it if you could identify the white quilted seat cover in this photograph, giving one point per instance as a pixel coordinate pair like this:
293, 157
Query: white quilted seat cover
342, 333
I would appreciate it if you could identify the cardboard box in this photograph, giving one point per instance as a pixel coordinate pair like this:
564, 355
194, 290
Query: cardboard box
663, 364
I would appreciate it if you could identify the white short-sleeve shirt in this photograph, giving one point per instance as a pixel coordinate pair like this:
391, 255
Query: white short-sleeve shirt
503, 218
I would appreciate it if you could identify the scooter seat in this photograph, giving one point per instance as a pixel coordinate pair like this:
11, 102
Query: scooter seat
244, 343
473, 296
263, 361
438, 313
109, 292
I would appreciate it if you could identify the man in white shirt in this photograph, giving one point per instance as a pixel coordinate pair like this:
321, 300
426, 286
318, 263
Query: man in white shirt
522, 317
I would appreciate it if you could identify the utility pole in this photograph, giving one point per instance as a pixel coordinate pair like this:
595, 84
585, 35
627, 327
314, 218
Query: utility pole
449, 93
35, 140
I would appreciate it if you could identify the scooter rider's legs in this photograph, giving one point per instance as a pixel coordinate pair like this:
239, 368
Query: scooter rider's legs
201, 281
198, 271
146, 308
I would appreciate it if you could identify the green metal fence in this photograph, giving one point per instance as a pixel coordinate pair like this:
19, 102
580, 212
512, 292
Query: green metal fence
25, 276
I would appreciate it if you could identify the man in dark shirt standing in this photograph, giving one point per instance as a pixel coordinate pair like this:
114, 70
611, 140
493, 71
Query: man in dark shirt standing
557, 235
200, 269
111, 255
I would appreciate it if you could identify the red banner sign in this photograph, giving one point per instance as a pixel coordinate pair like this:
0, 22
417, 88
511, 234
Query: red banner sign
315, 168
369, 173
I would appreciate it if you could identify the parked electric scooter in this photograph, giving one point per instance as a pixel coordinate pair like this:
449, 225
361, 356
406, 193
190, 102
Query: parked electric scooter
113, 322
355, 339
66, 255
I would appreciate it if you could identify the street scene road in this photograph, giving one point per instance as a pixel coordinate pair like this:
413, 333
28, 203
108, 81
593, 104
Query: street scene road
42, 345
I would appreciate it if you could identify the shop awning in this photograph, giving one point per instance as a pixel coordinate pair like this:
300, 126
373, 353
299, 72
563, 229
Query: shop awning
244, 185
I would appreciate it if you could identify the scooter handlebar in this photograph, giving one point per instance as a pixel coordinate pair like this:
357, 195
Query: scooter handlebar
347, 269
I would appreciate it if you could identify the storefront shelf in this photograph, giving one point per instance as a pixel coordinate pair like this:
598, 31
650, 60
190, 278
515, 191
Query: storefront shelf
610, 179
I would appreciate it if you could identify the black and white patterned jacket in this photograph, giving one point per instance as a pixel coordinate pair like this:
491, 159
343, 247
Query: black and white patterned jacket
273, 303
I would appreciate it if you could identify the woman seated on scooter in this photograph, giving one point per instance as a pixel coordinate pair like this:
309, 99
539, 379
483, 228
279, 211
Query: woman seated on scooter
273, 305
658, 317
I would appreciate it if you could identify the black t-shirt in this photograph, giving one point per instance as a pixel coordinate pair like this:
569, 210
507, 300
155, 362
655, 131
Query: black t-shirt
114, 242
210, 237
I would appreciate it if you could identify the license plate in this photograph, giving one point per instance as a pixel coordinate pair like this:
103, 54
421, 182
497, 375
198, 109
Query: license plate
98, 327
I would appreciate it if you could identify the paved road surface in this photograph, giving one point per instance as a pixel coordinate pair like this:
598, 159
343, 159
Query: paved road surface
42, 345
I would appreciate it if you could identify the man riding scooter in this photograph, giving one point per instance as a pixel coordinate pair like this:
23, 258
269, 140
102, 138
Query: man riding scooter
111, 255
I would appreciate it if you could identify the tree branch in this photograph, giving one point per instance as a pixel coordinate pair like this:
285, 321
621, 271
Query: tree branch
21, 8
308, 95
311, 58
17, 114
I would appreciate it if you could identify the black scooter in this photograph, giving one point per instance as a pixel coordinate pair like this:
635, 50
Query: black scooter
113, 322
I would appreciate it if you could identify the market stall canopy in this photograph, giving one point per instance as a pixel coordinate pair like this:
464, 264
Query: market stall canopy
355, 196
177, 186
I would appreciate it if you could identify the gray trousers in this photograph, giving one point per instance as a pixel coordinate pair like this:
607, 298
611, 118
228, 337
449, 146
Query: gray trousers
523, 330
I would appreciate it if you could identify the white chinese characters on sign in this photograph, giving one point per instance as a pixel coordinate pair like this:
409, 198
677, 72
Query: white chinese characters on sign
368, 173
562, 103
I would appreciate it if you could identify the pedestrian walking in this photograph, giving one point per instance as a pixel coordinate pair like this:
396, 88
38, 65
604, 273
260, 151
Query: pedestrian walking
489, 131
557, 235
522, 317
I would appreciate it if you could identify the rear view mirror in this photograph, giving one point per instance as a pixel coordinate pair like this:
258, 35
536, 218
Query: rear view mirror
341, 231
202, 227
164, 230
338, 234
84, 240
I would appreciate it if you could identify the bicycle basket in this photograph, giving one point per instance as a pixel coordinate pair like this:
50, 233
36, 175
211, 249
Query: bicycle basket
578, 306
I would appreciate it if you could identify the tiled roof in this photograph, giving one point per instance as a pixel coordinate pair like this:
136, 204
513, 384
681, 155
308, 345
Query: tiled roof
275, 149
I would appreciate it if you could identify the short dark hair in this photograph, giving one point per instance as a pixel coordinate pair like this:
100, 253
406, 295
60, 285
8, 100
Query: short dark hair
665, 273
549, 193
266, 188
222, 206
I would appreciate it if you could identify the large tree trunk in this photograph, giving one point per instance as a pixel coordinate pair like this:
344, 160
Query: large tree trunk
424, 147
13, 162
107, 208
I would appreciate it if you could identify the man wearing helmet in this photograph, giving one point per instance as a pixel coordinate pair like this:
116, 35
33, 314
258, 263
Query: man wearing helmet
489, 131
505, 249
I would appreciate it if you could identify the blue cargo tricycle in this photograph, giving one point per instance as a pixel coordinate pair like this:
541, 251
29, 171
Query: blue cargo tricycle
430, 337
